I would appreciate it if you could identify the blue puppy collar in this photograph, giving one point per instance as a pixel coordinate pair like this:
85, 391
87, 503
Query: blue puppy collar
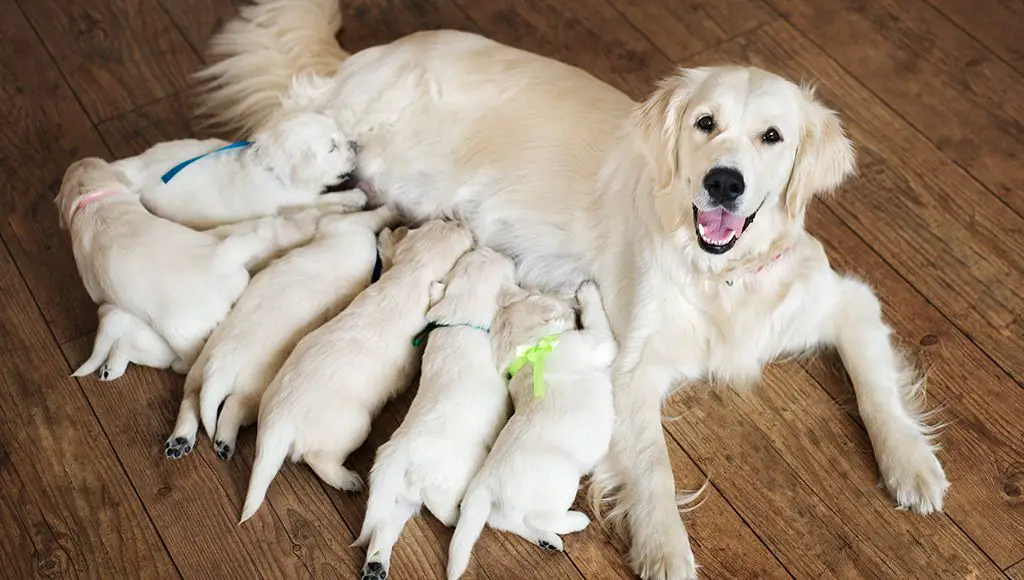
177, 168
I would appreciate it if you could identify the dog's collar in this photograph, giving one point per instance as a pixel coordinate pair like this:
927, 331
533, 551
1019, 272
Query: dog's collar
90, 197
421, 336
534, 355
177, 168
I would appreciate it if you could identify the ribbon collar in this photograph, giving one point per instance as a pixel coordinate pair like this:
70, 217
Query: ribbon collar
534, 355
90, 197
421, 336
177, 168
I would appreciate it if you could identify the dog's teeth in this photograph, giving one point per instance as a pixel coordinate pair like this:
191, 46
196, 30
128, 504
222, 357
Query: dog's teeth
700, 229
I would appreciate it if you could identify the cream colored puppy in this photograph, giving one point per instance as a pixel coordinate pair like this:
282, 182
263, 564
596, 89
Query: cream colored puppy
179, 282
460, 406
206, 183
319, 407
529, 480
286, 301
124, 338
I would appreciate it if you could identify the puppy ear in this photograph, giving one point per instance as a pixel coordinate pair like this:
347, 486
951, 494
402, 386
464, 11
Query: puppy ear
511, 294
436, 292
657, 124
824, 159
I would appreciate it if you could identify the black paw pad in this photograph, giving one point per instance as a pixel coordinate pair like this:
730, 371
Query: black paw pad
223, 450
177, 447
374, 571
547, 546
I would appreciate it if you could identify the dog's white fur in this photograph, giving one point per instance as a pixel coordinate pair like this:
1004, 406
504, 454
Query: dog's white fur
124, 338
179, 282
288, 165
460, 406
573, 179
319, 407
528, 482
287, 300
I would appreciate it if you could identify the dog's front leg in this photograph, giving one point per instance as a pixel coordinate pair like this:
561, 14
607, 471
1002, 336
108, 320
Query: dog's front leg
660, 547
887, 390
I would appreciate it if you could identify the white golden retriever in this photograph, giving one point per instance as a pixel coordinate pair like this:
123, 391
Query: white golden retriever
179, 282
460, 406
124, 338
657, 202
206, 183
529, 481
319, 407
287, 300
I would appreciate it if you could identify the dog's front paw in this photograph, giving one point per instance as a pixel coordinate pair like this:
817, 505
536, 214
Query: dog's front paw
374, 571
224, 450
107, 372
177, 447
663, 557
913, 474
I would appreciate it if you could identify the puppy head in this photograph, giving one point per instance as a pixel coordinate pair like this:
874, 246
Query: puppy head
727, 144
82, 177
526, 317
474, 288
435, 246
307, 151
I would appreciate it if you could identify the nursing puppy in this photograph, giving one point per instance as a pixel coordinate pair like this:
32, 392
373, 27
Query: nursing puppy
319, 406
529, 480
179, 282
124, 338
284, 302
288, 164
460, 406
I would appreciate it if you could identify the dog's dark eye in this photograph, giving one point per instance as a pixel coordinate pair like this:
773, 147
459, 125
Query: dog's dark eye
771, 136
705, 123
334, 147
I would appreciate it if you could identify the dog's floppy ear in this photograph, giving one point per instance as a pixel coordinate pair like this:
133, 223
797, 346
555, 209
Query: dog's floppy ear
824, 158
512, 294
657, 123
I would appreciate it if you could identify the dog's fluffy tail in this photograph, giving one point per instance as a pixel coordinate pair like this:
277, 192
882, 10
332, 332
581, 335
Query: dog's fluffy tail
272, 445
113, 323
257, 55
476, 508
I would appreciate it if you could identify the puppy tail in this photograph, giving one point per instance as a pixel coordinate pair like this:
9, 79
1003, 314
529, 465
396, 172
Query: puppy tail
272, 445
476, 508
387, 478
257, 55
110, 329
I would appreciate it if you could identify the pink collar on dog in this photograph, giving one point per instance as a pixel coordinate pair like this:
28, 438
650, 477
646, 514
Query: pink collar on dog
89, 198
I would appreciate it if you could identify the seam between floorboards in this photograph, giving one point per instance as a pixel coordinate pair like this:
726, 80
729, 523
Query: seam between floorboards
973, 37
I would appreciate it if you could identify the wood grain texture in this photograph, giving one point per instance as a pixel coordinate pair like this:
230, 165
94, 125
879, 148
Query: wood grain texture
116, 55
1016, 572
76, 510
371, 22
684, 28
946, 84
198, 20
997, 24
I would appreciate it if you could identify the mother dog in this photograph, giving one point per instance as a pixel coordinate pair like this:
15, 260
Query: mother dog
688, 210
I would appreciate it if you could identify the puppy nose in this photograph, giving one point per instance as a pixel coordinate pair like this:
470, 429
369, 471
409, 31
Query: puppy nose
724, 184
354, 147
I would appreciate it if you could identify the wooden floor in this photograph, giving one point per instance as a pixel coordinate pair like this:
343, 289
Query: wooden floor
932, 92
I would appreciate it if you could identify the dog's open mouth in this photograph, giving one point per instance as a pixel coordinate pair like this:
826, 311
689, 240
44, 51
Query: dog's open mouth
718, 230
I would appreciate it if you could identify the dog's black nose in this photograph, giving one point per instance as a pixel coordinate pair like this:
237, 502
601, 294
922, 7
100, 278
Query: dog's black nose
724, 184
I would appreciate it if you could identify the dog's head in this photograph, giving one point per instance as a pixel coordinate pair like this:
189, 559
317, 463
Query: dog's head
83, 177
726, 145
474, 287
307, 151
435, 245
527, 316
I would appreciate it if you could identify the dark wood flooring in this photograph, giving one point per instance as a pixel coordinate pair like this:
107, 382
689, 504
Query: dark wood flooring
932, 92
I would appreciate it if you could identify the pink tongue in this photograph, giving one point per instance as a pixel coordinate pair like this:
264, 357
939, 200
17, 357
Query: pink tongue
719, 224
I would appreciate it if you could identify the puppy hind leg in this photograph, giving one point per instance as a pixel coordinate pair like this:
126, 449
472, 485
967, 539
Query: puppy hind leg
183, 439
328, 466
237, 412
378, 552
519, 526
115, 365
560, 523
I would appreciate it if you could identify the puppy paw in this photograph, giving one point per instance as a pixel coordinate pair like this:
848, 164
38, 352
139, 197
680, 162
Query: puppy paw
914, 476
108, 373
663, 557
178, 447
224, 450
553, 543
351, 483
373, 571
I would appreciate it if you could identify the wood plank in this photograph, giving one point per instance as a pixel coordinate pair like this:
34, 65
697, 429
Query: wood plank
795, 467
372, 22
684, 28
939, 228
195, 502
947, 85
994, 23
198, 20
1016, 572
162, 120
42, 130
63, 477
115, 54
589, 34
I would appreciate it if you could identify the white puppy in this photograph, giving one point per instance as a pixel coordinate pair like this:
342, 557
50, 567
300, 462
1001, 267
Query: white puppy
206, 183
124, 338
561, 428
286, 301
179, 282
460, 406
319, 406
